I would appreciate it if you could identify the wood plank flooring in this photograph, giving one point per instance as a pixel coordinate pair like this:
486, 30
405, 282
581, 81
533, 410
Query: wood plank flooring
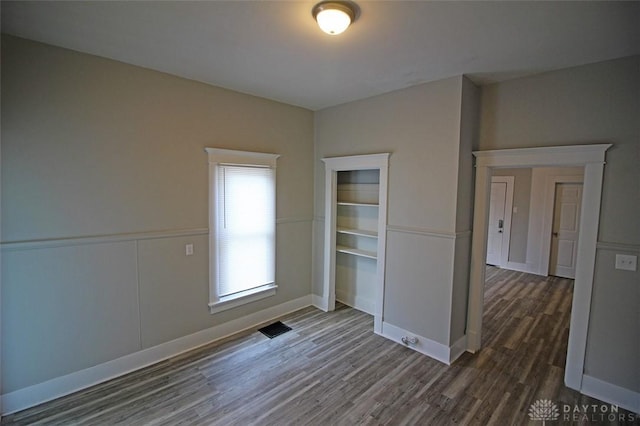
332, 369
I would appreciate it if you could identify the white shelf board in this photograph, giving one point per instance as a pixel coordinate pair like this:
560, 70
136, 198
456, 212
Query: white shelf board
345, 203
359, 232
356, 252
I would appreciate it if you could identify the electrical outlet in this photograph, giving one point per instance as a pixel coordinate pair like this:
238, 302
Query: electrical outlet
188, 249
409, 340
626, 262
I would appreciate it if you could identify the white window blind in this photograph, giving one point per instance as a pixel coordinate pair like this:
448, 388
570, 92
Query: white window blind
245, 236
242, 227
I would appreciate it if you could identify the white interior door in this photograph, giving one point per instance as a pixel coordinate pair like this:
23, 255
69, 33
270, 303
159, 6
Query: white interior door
496, 223
566, 223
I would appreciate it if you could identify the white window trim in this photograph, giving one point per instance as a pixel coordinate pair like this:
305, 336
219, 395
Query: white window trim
243, 158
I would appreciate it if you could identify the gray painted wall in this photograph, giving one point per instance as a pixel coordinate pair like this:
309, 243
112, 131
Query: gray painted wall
94, 147
421, 127
587, 104
469, 125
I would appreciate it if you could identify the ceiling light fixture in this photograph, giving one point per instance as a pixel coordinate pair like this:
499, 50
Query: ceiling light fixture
334, 17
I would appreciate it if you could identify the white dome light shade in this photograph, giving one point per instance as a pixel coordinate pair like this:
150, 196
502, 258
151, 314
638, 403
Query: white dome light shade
333, 21
333, 17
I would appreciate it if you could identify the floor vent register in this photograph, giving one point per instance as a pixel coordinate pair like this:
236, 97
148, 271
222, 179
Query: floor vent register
275, 329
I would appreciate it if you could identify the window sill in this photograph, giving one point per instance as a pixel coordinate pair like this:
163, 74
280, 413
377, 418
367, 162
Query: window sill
235, 300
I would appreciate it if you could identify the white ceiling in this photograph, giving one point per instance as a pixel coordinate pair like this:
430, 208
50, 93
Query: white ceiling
275, 50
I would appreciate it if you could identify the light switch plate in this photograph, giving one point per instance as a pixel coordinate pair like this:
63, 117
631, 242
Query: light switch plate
188, 249
626, 262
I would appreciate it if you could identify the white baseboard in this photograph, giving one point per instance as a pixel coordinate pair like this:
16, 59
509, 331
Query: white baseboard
457, 349
357, 302
318, 302
64, 385
529, 268
428, 347
611, 394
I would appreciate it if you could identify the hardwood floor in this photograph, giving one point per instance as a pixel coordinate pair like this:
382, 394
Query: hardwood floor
332, 369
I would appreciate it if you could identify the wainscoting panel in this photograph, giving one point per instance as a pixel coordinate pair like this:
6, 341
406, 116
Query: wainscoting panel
67, 308
74, 308
613, 343
418, 283
174, 288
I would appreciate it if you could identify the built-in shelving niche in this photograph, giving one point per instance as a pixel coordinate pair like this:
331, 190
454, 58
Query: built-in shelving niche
355, 231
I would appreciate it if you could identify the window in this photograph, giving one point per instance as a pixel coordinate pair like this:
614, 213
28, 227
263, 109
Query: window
242, 227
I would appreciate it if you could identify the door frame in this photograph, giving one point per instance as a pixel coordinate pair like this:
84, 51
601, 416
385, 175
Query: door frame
547, 218
508, 212
333, 165
591, 157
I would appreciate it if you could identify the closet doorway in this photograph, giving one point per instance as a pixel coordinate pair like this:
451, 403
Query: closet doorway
355, 233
